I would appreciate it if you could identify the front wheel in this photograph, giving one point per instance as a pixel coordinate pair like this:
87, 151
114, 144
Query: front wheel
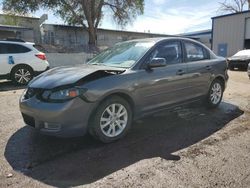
112, 120
215, 94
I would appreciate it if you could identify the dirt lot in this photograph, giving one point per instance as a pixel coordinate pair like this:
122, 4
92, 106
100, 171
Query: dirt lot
192, 147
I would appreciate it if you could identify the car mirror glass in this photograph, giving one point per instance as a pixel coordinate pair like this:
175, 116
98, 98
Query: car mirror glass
157, 62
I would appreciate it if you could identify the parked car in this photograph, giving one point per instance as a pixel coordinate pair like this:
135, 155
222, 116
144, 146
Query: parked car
130, 80
239, 60
21, 61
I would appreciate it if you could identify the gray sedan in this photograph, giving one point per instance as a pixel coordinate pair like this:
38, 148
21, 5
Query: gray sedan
131, 80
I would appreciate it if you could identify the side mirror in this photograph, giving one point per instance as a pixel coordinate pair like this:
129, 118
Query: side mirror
157, 62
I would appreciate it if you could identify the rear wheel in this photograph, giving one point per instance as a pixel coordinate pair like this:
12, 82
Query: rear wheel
215, 94
111, 120
21, 75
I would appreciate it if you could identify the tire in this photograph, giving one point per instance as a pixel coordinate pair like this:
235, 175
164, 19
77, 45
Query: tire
230, 67
215, 94
104, 126
21, 75
245, 67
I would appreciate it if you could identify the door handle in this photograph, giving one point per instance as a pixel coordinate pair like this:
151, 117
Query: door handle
208, 67
180, 72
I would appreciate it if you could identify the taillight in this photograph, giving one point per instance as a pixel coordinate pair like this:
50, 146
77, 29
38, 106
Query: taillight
41, 56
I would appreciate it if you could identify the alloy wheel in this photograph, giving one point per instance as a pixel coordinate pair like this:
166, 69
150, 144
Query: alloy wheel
216, 93
114, 120
22, 76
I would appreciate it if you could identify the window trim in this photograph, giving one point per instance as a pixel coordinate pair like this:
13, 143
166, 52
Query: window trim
204, 51
145, 58
17, 45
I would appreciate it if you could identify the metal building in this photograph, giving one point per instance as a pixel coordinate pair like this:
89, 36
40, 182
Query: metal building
204, 36
21, 27
231, 33
75, 36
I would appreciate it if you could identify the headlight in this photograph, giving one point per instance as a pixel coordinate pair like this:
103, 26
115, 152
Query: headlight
62, 94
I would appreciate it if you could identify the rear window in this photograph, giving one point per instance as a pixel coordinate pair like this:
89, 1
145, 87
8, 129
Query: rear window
195, 52
39, 48
13, 49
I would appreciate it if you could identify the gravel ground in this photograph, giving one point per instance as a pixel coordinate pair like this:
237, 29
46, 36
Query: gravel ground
191, 147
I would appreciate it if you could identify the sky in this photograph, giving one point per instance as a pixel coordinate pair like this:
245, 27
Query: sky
162, 16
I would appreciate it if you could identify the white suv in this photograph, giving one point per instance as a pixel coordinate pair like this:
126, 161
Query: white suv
21, 61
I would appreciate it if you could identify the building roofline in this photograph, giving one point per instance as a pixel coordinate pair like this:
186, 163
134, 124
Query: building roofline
13, 27
135, 32
201, 32
102, 29
1, 14
232, 14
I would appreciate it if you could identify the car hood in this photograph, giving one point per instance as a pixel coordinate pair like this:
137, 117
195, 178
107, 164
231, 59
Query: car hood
239, 58
67, 75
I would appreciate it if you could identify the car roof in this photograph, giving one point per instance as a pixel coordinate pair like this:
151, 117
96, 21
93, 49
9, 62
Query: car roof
160, 39
16, 42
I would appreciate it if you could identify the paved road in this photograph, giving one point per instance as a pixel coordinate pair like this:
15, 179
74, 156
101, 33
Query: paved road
191, 147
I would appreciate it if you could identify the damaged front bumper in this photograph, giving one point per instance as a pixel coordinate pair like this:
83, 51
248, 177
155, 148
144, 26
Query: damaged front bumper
67, 119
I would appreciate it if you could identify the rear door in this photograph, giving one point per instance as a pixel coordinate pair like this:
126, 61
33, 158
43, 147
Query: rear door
163, 86
199, 68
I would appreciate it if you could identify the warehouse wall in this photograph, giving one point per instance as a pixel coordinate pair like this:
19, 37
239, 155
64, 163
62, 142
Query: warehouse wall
67, 59
109, 38
32, 35
70, 36
229, 33
7, 34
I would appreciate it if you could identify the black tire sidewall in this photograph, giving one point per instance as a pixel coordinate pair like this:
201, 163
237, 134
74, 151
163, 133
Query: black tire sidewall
15, 69
94, 127
208, 100
230, 67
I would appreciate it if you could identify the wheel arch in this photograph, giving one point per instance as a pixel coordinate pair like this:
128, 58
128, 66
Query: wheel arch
20, 65
123, 95
221, 78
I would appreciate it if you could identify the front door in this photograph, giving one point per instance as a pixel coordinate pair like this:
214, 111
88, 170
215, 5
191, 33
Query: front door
163, 86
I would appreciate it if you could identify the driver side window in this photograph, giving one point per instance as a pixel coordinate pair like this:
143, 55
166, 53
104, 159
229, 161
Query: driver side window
171, 51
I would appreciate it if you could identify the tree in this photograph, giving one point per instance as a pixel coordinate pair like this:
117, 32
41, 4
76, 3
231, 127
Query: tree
85, 13
234, 6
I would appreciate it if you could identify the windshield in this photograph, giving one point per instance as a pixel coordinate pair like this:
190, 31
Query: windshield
122, 55
243, 53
